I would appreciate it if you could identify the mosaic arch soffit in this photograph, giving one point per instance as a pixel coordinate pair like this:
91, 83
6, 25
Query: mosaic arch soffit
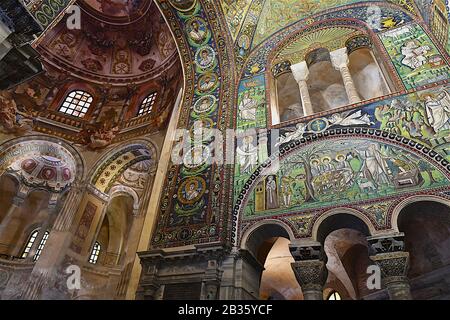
114, 164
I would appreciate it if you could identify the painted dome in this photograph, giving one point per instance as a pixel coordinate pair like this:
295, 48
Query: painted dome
120, 42
116, 8
45, 171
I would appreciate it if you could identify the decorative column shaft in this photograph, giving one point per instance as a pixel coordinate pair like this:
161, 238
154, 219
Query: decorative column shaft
394, 265
310, 270
64, 220
300, 72
339, 59
17, 202
44, 227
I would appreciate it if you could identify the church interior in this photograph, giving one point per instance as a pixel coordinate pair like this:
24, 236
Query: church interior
224, 150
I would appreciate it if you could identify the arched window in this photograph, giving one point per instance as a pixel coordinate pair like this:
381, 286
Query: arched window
30, 242
334, 295
76, 103
95, 253
41, 246
147, 105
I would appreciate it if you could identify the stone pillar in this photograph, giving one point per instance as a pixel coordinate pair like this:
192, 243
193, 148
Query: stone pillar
45, 269
310, 270
17, 202
300, 72
64, 220
44, 227
339, 59
388, 253
211, 281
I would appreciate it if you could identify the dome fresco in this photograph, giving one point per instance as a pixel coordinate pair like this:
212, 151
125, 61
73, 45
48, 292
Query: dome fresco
116, 8
121, 52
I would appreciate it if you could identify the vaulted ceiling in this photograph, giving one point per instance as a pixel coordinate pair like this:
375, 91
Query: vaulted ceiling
119, 42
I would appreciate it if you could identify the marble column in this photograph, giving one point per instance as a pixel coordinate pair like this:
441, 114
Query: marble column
310, 270
65, 218
46, 269
389, 255
339, 59
394, 269
17, 202
44, 227
300, 72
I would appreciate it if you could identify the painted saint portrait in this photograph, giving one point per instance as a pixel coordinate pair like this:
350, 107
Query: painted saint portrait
205, 104
204, 57
207, 82
197, 31
191, 190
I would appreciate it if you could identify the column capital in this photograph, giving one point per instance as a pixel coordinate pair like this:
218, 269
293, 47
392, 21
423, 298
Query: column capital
310, 274
386, 243
389, 255
300, 71
310, 269
394, 265
339, 58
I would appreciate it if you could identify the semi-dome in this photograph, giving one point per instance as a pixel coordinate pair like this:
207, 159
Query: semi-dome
45, 171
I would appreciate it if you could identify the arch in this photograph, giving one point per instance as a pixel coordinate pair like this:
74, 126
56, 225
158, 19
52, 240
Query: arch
118, 218
339, 218
275, 39
410, 200
250, 235
125, 190
326, 93
139, 150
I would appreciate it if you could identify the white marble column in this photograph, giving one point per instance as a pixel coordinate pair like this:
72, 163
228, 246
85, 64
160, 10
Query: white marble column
300, 72
5, 228
45, 226
339, 59
65, 218
16, 203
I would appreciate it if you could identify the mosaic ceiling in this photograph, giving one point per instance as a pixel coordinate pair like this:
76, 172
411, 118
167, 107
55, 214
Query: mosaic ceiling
270, 16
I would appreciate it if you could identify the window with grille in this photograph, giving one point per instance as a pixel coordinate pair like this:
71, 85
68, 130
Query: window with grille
76, 104
30, 242
147, 105
95, 253
41, 246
